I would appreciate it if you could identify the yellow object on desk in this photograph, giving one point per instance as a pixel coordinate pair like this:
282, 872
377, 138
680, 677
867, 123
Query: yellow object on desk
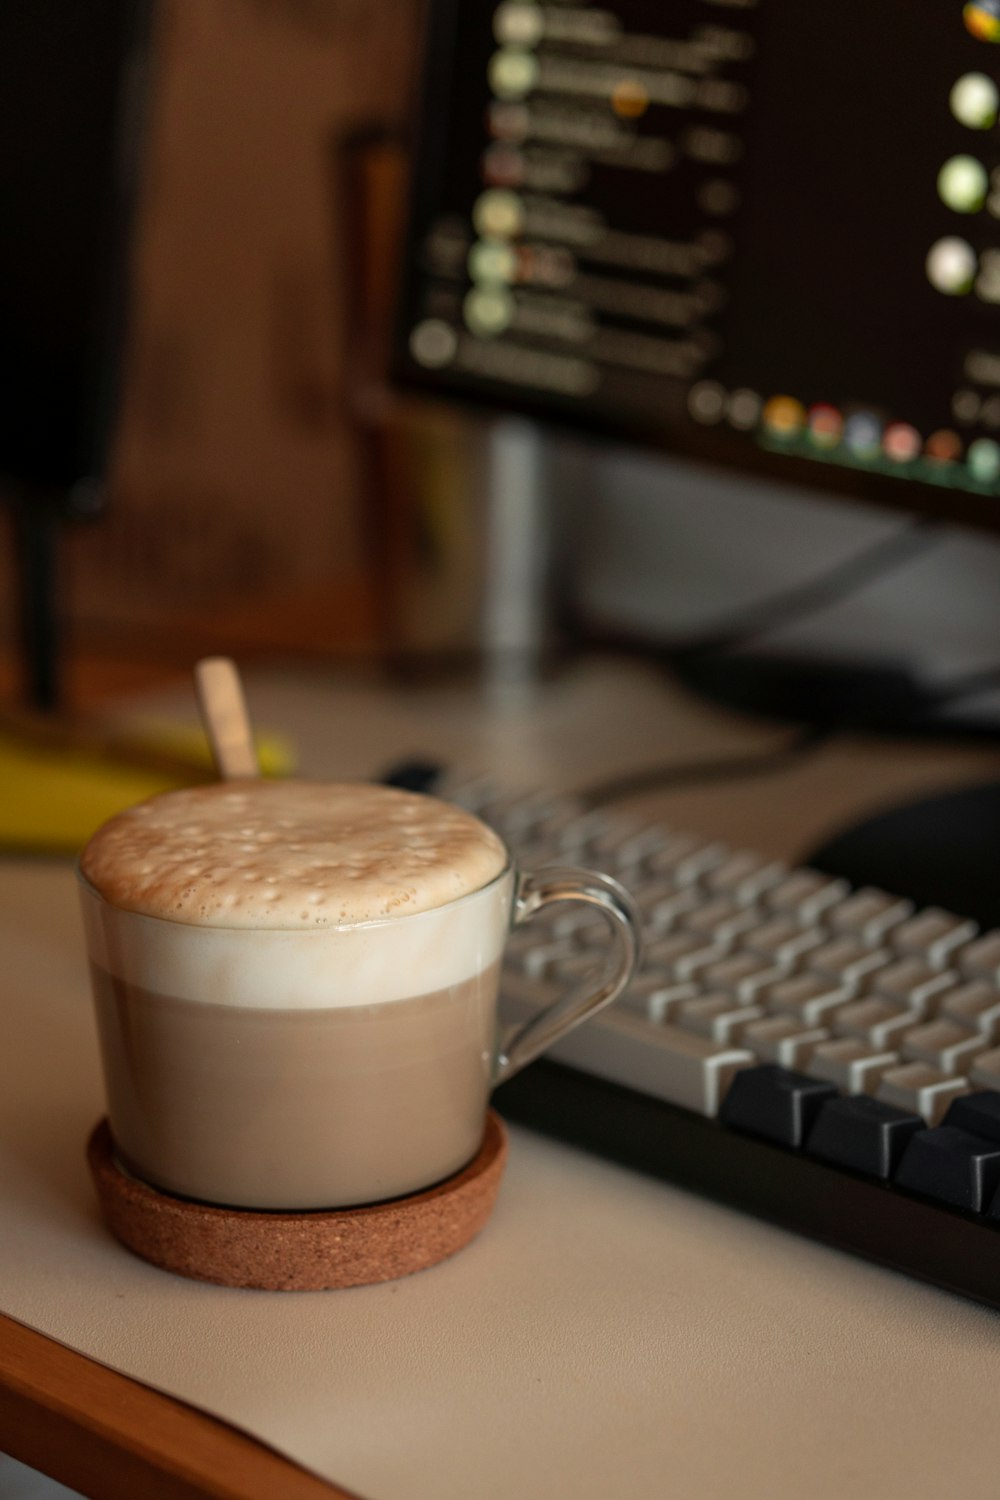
55, 789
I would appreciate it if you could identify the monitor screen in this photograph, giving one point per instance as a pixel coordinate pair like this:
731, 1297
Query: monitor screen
761, 232
70, 108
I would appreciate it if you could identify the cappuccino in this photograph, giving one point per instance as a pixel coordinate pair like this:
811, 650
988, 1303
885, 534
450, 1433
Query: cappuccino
295, 987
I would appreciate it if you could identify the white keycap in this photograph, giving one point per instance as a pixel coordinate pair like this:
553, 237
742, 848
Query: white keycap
784, 1040
851, 1065
671, 905
682, 954
985, 1072
655, 995
685, 854
945, 1045
933, 934
697, 864
981, 959
745, 875
633, 854
582, 963
723, 919
591, 935
848, 961
539, 958
807, 998
515, 815
572, 923
663, 1061
744, 975
625, 845
718, 1017
976, 1005
806, 894
785, 941
587, 827
561, 812
666, 950
921, 1089
869, 914
879, 1023
696, 964
915, 983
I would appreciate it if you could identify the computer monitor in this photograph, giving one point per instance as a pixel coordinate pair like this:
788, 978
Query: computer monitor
762, 234
71, 116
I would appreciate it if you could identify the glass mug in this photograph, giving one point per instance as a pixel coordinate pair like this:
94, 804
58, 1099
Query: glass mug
232, 1078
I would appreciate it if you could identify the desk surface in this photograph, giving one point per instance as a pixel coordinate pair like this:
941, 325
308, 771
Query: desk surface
605, 1334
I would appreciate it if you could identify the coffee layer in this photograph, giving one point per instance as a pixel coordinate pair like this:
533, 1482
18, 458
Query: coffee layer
290, 854
309, 1109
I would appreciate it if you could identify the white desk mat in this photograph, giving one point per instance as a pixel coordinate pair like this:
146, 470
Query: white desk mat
604, 1336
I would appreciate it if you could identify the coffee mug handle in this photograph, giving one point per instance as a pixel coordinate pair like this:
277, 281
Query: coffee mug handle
616, 905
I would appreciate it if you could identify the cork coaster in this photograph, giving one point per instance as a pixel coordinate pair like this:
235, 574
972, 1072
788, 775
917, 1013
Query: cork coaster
301, 1252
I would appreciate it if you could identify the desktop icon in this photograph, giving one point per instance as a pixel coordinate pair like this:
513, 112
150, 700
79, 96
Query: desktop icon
951, 266
863, 435
962, 184
974, 101
784, 416
518, 25
901, 442
826, 425
944, 446
498, 214
512, 73
707, 401
493, 261
433, 343
983, 459
744, 409
488, 310
982, 19
629, 99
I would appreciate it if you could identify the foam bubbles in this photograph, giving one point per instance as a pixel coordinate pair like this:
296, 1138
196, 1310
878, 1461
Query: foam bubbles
290, 854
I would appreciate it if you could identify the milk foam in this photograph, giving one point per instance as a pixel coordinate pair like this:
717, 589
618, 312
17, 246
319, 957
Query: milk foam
290, 854
295, 895
302, 968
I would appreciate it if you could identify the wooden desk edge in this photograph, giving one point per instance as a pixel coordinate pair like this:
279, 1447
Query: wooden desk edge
112, 1438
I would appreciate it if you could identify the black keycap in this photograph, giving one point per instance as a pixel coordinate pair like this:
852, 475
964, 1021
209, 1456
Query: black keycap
977, 1113
953, 1166
775, 1102
863, 1134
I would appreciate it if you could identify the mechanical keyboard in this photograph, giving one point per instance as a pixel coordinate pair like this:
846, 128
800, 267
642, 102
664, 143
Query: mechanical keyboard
825, 1057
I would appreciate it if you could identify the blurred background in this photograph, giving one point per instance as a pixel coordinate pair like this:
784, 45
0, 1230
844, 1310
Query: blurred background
268, 494
233, 519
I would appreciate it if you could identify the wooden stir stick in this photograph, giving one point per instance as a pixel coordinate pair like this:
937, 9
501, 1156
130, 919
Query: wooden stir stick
224, 714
